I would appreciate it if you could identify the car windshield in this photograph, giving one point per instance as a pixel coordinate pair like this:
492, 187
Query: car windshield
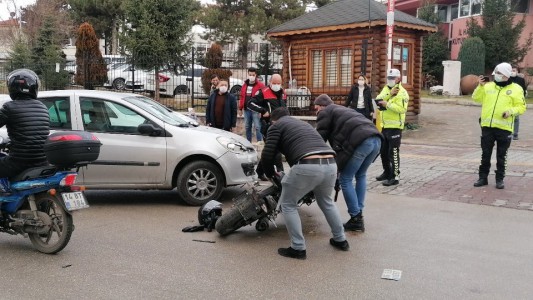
157, 110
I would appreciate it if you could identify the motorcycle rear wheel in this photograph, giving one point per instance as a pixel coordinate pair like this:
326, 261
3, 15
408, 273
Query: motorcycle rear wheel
60, 230
230, 221
233, 219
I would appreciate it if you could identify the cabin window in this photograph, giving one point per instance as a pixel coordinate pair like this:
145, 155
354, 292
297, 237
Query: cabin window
331, 67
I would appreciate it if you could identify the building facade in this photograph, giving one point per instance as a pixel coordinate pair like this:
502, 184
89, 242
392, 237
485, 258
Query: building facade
454, 15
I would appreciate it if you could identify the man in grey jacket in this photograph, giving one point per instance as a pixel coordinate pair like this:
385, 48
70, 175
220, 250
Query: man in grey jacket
357, 142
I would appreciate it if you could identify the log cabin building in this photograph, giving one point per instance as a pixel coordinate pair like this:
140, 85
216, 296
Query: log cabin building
324, 51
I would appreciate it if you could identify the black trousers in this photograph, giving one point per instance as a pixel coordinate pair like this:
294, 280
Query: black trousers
502, 138
390, 152
10, 168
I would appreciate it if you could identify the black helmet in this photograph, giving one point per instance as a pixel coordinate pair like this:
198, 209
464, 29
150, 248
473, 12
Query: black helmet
209, 213
22, 83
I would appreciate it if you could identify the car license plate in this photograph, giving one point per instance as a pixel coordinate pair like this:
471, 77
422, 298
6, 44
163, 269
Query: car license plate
74, 201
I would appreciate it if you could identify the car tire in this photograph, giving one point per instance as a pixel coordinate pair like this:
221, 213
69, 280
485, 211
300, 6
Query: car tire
236, 90
119, 84
199, 182
181, 89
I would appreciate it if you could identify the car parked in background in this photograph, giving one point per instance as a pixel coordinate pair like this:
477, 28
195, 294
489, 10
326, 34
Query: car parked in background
120, 76
171, 83
147, 146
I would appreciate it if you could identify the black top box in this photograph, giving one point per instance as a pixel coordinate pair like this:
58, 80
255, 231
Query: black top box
69, 148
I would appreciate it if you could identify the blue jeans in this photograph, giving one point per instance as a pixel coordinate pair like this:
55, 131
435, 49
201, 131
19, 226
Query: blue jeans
356, 167
299, 181
249, 117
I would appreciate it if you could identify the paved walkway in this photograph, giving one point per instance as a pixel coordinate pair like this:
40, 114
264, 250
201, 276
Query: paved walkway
440, 159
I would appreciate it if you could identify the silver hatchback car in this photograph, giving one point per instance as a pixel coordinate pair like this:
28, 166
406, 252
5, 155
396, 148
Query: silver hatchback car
148, 146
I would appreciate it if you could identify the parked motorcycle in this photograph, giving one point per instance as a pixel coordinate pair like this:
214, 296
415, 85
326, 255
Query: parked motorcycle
256, 203
39, 202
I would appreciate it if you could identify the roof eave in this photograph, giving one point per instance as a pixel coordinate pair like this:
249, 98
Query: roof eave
349, 26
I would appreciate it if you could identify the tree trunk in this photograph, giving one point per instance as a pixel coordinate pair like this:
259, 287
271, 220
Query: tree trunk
114, 38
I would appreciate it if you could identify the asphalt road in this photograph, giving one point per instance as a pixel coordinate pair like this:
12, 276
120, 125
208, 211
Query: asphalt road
129, 245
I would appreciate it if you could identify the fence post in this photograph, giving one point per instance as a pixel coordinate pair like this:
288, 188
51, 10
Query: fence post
192, 77
132, 73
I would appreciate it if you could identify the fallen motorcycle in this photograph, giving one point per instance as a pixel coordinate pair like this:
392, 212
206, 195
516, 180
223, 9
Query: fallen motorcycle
256, 203
39, 202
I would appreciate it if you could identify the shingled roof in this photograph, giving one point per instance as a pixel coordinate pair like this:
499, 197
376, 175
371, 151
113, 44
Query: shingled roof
347, 12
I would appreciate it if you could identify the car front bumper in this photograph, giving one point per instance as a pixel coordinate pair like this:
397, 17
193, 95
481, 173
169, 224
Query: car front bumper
247, 162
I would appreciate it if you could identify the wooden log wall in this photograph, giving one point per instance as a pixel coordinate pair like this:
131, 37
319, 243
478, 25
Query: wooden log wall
300, 50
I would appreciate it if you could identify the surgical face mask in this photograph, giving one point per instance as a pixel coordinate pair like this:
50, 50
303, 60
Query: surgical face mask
391, 82
223, 89
361, 82
251, 78
498, 77
275, 87
513, 74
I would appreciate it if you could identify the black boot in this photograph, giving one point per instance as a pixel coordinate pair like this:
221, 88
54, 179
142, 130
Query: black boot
481, 182
382, 177
391, 182
499, 184
356, 223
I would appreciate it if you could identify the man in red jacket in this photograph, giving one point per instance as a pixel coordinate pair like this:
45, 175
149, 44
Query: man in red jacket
249, 89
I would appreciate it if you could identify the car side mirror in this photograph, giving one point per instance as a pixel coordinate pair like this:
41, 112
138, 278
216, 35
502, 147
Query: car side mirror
149, 129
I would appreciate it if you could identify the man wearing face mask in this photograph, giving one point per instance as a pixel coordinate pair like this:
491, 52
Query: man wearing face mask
264, 102
221, 109
360, 98
521, 82
393, 101
501, 101
248, 90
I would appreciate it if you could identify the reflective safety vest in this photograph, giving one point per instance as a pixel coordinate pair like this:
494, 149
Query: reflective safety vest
496, 100
394, 115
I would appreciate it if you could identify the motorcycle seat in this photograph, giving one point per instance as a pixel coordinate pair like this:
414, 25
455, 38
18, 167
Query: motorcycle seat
34, 173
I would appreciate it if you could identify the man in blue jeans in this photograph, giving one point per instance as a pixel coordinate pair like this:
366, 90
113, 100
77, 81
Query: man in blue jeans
313, 168
357, 143
250, 87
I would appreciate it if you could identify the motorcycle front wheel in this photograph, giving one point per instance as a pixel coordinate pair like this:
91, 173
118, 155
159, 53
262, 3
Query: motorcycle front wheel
59, 231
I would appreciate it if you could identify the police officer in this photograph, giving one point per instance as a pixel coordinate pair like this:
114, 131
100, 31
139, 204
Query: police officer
265, 101
392, 102
27, 122
501, 101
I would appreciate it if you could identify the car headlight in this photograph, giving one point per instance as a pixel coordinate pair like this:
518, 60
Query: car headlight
231, 144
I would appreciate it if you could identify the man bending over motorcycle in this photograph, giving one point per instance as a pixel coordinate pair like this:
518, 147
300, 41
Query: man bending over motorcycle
27, 122
313, 168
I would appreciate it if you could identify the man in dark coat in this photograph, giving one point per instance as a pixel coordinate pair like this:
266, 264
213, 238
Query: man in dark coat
313, 169
357, 143
221, 110
521, 82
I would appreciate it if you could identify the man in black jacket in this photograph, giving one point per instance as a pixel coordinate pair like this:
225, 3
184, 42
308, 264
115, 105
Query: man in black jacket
357, 142
313, 169
521, 82
27, 122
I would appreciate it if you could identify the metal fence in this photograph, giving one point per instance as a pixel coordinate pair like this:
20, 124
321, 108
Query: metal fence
180, 87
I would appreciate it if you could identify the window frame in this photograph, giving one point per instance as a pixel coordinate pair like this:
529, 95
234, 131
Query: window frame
339, 80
